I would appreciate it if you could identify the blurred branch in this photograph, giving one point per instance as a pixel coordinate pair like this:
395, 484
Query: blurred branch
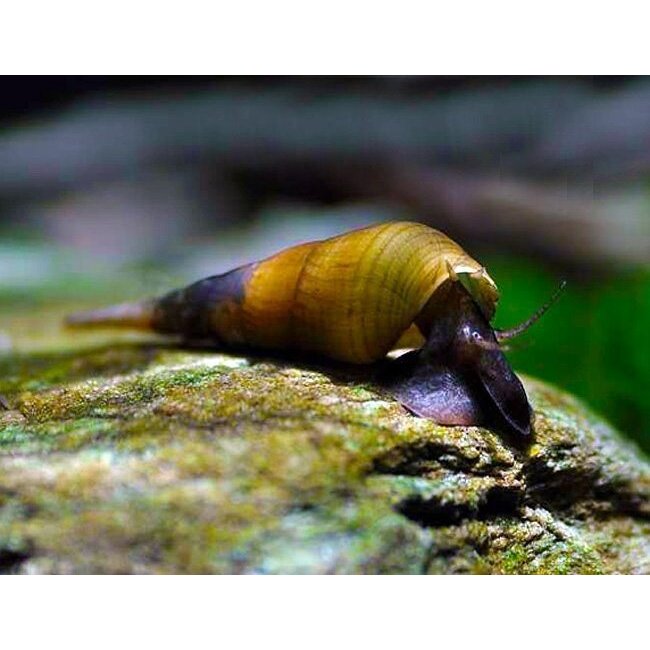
569, 225
505, 165
104, 140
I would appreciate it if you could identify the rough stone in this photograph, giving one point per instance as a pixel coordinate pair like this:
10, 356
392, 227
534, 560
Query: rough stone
141, 457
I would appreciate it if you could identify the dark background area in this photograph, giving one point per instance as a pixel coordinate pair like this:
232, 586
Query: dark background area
25, 96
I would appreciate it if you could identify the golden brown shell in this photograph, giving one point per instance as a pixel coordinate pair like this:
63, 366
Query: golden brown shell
354, 296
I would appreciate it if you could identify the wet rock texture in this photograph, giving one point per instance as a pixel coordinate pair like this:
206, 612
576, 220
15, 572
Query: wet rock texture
145, 458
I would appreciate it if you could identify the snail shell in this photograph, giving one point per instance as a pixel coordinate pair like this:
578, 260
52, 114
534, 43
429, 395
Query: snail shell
352, 297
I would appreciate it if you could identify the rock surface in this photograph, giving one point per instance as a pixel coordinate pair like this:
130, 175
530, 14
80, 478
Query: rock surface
141, 457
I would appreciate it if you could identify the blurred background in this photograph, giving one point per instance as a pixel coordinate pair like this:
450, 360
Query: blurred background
113, 188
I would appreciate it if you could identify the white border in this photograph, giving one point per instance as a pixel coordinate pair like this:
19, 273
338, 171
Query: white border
324, 612
336, 37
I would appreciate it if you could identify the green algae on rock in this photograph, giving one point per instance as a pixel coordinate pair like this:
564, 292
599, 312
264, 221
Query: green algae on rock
143, 458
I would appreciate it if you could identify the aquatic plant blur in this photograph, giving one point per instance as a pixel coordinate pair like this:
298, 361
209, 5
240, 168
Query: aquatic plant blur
594, 342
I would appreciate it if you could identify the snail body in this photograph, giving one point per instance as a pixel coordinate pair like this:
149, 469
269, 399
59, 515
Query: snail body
352, 298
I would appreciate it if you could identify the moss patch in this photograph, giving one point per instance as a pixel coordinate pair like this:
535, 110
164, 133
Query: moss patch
144, 458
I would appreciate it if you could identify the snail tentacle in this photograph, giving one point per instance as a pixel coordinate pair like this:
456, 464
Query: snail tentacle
512, 332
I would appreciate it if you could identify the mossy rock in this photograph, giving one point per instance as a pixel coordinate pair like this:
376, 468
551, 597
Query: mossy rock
145, 458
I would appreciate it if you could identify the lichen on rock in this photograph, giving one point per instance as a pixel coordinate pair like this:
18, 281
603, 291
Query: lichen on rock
142, 457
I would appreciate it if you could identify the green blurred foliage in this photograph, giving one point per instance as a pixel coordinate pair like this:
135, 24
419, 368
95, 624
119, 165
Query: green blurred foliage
594, 342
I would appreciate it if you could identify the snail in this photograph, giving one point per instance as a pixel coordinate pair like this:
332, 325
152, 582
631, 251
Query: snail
353, 298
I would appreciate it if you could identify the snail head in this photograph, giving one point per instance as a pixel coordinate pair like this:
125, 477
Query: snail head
462, 344
461, 375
